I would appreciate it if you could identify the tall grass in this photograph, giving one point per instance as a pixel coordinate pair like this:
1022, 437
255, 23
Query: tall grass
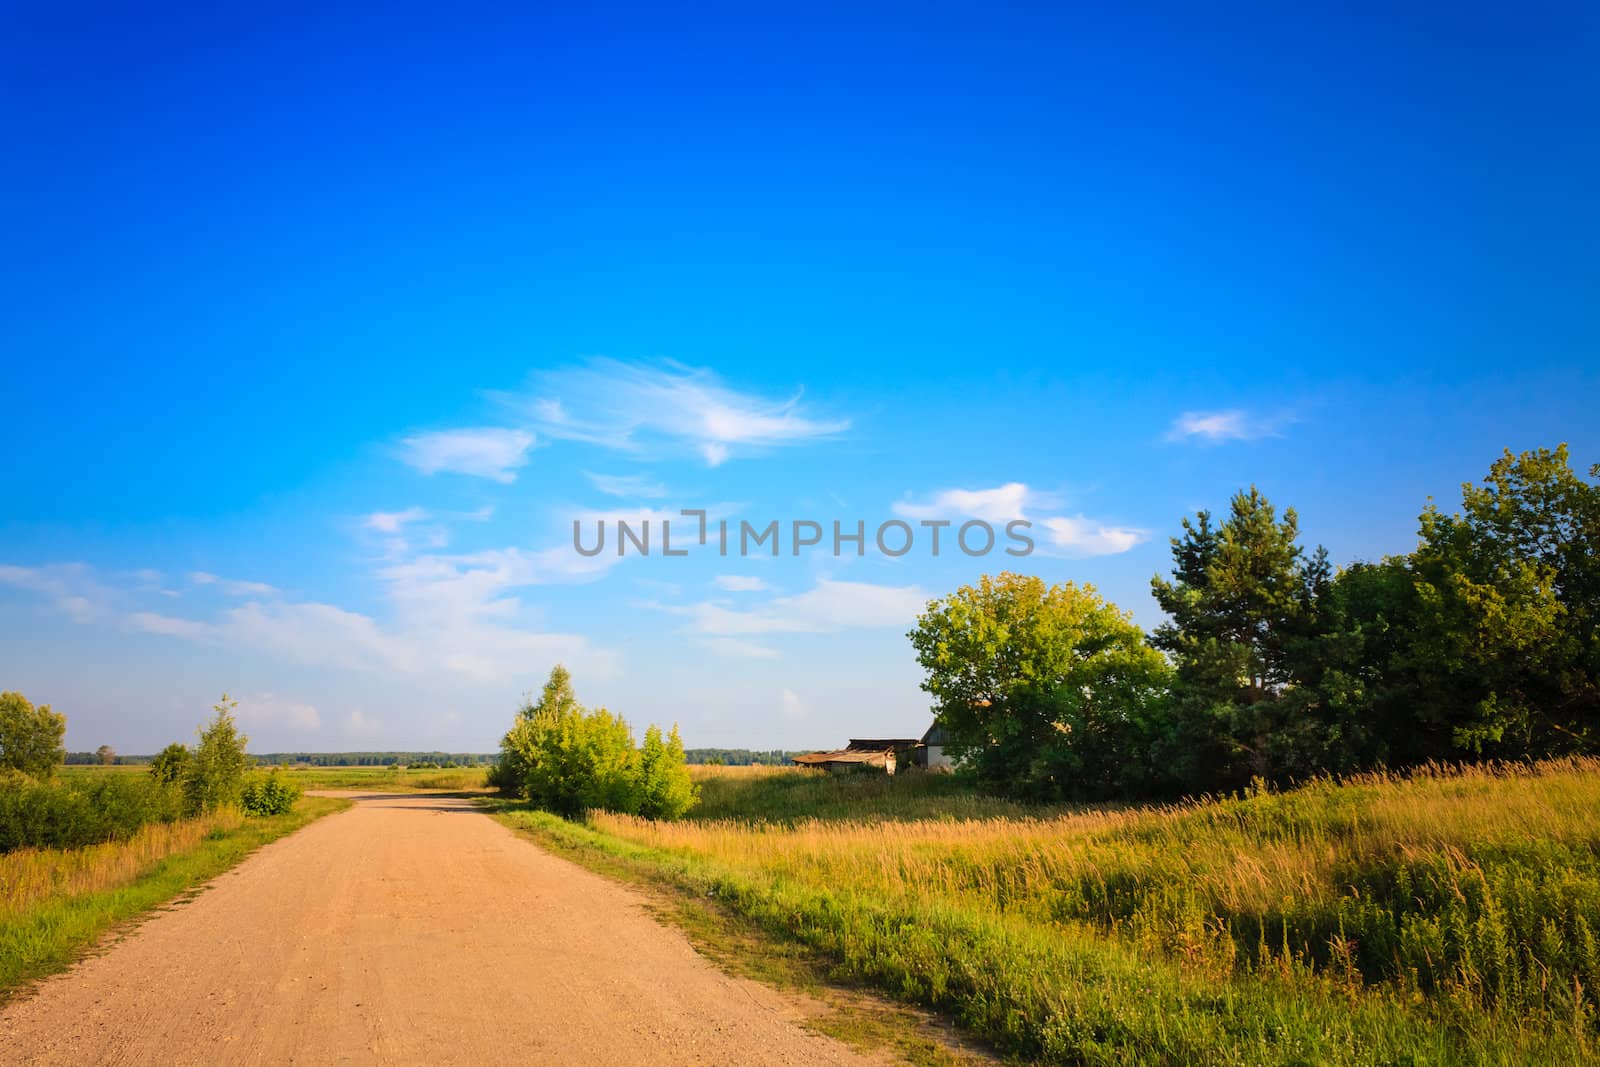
1447, 916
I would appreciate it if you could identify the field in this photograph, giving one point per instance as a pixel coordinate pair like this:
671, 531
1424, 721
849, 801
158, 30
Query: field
390, 778
1444, 917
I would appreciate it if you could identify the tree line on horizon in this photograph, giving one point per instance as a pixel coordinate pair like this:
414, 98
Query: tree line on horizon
1272, 666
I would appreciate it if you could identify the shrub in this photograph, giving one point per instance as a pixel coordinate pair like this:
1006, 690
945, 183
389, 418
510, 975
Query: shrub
268, 794
83, 811
568, 760
171, 763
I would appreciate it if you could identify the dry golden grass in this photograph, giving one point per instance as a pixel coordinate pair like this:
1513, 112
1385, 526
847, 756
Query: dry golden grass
30, 876
1470, 896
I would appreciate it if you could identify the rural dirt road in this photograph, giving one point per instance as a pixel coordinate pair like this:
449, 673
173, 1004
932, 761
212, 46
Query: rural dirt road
409, 930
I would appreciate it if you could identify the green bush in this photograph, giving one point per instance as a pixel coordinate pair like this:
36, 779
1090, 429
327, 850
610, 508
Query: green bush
568, 759
79, 811
171, 763
268, 794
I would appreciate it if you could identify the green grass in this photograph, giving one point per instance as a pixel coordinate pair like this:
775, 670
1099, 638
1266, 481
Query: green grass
56, 904
1440, 918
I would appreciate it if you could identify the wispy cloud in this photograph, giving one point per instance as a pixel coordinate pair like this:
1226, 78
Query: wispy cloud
635, 407
734, 648
392, 522
1074, 536
627, 485
740, 583
1001, 504
1077, 536
232, 587
266, 711
71, 588
1234, 424
484, 452
828, 606
794, 709
452, 615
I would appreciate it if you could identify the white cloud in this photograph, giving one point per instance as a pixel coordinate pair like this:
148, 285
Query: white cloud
1078, 536
1214, 427
484, 452
734, 648
829, 606
450, 614
1074, 535
359, 724
627, 485
794, 709
264, 710
232, 587
740, 583
71, 588
998, 505
392, 522
635, 406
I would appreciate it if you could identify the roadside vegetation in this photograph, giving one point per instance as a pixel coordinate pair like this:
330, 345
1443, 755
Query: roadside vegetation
1447, 916
568, 759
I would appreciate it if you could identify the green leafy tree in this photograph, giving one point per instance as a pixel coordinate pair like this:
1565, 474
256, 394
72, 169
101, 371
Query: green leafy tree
30, 737
665, 790
1045, 691
1515, 578
170, 764
215, 774
527, 736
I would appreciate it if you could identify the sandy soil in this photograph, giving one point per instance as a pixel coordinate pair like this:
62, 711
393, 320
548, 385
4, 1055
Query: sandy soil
410, 929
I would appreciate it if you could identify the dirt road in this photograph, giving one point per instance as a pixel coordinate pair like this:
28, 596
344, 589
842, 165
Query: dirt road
411, 930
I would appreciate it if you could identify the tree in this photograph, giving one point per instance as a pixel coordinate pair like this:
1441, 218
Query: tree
106, 755
557, 703
665, 790
1520, 568
216, 772
1244, 612
1045, 691
171, 763
30, 737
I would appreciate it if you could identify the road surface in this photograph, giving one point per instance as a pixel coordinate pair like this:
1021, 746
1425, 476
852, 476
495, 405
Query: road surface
410, 930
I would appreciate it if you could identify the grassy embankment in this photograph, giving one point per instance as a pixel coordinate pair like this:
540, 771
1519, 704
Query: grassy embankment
1438, 918
56, 902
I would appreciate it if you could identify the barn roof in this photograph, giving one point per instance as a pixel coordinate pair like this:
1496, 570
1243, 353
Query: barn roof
879, 744
843, 755
936, 735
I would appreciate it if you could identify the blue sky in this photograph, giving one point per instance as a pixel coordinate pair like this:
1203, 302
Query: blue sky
319, 332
